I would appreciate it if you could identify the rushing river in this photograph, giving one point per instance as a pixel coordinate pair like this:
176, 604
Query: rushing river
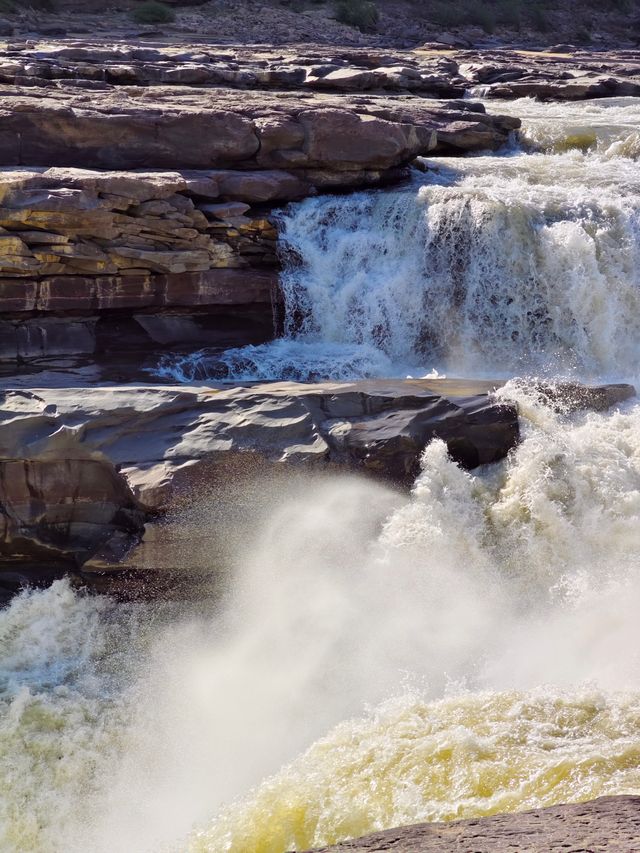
382, 658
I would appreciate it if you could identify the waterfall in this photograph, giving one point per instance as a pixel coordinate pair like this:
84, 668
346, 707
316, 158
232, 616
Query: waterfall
483, 266
380, 658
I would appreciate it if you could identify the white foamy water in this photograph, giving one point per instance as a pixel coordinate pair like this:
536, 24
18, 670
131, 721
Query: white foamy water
484, 266
606, 125
464, 650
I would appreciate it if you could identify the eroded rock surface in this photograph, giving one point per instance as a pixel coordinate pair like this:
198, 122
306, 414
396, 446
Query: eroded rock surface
91, 260
149, 178
445, 69
607, 824
183, 127
82, 462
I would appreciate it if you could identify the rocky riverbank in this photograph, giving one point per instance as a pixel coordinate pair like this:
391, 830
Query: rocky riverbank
140, 186
82, 469
606, 824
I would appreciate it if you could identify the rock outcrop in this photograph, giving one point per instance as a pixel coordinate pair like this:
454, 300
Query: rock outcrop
81, 466
182, 127
568, 74
432, 70
139, 186
609, 824
90, 261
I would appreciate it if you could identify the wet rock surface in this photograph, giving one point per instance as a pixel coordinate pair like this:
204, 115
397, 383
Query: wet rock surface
604, 824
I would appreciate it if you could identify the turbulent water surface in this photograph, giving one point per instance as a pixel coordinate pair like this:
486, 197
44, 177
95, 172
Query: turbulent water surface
382, 658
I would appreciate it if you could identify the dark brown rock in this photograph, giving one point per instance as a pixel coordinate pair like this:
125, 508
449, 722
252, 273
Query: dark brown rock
72, 459
63, 506
220, 307
573, 396
388, 424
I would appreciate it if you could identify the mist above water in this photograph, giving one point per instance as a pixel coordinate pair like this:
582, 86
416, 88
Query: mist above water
513, 593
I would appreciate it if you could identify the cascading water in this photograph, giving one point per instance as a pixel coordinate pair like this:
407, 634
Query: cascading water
485, 266
381, 659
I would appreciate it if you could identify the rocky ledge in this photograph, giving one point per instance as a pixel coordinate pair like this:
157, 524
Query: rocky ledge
83, 468
607, 824
123, 453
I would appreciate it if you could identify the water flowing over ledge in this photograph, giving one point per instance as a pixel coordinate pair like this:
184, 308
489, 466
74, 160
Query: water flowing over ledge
487, 266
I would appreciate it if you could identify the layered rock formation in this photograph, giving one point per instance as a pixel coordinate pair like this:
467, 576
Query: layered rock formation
139, 185
562, 74
90, 261
607, 824
81, 467
435, 70
167, 235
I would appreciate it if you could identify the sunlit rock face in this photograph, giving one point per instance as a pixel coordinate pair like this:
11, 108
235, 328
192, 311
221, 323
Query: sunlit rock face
72, 457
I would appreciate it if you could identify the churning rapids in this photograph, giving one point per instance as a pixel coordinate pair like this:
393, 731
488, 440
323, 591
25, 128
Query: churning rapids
382, 658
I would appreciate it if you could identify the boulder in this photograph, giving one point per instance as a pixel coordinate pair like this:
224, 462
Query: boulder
63, 503
82, 466
573, 396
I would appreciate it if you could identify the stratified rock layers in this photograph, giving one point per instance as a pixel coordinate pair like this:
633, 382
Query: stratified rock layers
138, 185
